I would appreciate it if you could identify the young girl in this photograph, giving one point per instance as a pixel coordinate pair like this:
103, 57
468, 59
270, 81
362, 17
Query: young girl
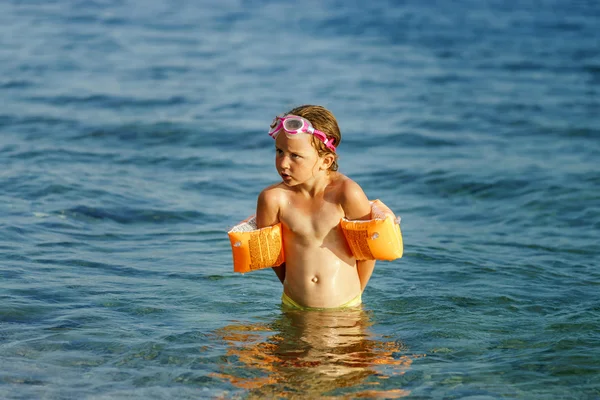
311, 199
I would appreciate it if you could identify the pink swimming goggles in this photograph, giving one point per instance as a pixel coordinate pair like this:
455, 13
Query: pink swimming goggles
293, 125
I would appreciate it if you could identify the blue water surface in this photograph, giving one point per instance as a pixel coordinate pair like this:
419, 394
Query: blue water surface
133, 136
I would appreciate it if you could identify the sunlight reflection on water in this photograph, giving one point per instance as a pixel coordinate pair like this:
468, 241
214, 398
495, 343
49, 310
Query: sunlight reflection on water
314, 353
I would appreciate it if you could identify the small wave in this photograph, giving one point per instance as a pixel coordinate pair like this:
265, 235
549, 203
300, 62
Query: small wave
16, 84
143, 134
180, 164
29, 121
109, 101
447, 185
415, 139
594, 71
128, 216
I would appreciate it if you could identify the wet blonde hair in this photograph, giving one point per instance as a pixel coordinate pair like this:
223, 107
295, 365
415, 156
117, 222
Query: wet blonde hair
323, 120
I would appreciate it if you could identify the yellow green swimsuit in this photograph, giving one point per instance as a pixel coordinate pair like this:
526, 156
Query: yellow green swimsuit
287, 301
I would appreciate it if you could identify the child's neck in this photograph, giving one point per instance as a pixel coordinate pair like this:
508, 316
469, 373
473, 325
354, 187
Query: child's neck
315, 186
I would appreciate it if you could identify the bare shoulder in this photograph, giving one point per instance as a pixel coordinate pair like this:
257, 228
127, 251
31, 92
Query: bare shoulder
268, 205
272, 194
353, 199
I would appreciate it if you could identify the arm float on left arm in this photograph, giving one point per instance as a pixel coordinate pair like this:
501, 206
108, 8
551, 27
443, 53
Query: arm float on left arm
378, 238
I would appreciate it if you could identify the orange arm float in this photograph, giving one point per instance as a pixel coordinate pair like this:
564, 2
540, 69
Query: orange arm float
378, 238
254, 248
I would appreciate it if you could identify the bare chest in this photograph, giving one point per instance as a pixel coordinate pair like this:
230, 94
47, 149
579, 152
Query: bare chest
312, 222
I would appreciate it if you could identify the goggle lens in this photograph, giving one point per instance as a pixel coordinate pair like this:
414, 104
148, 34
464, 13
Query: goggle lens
293, 124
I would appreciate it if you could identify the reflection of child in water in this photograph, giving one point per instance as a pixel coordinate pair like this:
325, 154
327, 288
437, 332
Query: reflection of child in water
312, 354
310, 201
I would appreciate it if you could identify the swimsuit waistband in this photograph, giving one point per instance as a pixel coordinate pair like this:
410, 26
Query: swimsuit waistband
287, 301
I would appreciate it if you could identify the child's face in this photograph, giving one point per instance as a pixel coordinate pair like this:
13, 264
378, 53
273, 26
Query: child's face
296, 159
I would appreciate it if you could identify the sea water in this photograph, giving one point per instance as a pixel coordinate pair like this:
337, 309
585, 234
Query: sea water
133, 135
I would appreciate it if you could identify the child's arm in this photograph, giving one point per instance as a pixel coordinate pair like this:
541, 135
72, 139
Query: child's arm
365, 270
267, 214
356, 205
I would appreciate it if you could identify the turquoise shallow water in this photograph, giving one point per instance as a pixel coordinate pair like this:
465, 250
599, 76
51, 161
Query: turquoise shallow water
133, 136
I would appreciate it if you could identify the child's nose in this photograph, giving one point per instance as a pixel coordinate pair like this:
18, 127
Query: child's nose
284, 162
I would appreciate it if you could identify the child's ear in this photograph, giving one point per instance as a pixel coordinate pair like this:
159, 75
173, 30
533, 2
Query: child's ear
328, 159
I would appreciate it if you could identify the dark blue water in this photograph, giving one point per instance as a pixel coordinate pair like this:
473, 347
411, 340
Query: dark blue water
133, 136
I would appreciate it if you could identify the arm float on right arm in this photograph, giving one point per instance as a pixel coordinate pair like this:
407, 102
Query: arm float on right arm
378, 238
254, 248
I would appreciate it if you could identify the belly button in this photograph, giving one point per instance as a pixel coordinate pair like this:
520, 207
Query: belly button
315, 279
